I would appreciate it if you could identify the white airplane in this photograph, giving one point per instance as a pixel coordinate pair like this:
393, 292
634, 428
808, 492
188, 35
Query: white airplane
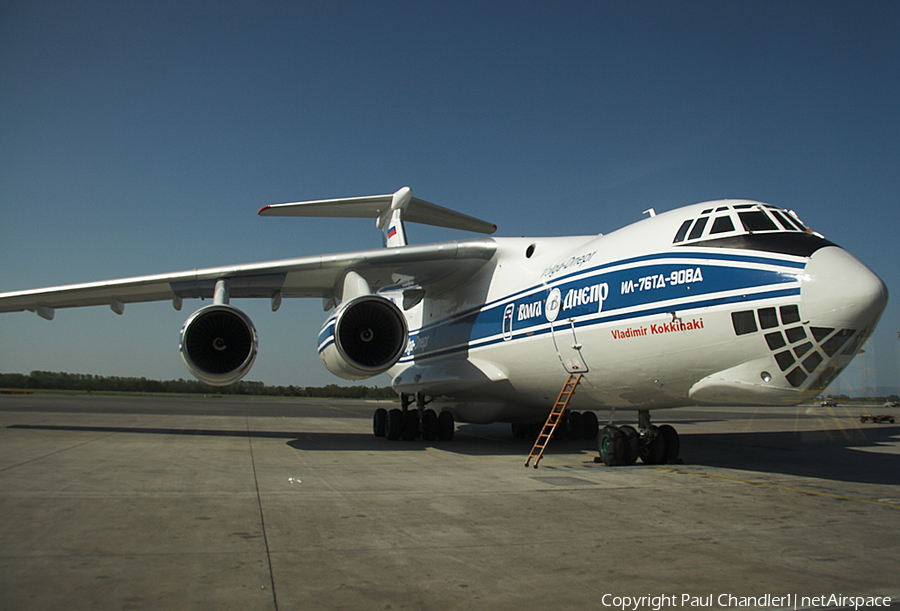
726, 302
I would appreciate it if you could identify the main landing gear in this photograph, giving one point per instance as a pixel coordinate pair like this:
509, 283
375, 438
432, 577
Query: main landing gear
623, 445
409, 424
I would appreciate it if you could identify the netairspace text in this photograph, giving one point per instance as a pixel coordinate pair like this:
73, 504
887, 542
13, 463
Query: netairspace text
786, 601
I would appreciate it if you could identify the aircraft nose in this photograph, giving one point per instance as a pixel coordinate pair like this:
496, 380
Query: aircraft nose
838, 290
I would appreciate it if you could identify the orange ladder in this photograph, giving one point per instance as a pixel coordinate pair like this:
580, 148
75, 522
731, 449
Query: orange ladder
553, 419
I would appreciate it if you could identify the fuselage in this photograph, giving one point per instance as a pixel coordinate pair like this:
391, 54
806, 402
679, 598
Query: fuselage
721, 302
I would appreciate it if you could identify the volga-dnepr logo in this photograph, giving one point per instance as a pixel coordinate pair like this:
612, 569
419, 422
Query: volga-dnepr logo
575, 298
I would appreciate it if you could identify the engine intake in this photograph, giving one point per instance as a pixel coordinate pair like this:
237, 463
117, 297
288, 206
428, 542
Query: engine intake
218, 344
367, 336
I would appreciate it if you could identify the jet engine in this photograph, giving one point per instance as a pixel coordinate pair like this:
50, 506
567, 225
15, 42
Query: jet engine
218, 344
365, 337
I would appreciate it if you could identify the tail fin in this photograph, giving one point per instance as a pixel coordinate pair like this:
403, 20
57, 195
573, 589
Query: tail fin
389, 211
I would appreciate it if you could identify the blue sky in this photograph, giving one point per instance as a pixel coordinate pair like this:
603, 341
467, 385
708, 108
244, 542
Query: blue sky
142, 137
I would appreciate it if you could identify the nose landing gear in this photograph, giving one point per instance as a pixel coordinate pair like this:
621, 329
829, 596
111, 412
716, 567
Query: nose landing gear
655, 445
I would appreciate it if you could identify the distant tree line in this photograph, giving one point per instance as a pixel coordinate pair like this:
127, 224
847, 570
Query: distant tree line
848, 399
51, 380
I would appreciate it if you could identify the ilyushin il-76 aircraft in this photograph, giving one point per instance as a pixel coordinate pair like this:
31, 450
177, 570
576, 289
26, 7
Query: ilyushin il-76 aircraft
729, 302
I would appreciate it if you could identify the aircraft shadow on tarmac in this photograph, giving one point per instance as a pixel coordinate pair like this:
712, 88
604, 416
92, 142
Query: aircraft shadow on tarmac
861, 455
852, 455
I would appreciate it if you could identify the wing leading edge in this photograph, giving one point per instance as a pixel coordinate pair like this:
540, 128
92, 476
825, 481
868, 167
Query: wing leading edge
429, 267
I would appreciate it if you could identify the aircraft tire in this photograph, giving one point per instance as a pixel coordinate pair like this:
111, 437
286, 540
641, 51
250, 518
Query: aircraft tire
575, 429
654, 451
392, 424
430, 426
612, 446
673, 445
445, 426
519, 431
378, 421
590, 427
632, 444
410, 425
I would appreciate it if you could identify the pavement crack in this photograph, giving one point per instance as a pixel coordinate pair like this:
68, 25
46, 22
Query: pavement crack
262, 518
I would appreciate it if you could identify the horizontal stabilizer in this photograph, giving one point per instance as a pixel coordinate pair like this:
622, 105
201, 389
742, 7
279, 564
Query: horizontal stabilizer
379, 207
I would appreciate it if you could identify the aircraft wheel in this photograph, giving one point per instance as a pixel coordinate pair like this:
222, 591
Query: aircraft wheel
589, 426
673, 445
576, 423
378, 421
392, 424
410, 425
653, 452
445, 426
519, 431
612, 446
632, 444
430, 427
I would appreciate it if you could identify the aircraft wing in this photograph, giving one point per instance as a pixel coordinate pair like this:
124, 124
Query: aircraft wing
423, 267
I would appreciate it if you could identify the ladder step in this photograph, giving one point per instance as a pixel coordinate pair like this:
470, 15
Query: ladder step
553, 419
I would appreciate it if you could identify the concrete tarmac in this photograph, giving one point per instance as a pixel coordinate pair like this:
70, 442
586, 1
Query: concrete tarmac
121, 502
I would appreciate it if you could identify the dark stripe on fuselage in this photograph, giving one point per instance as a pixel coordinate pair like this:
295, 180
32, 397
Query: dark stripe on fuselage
795, 243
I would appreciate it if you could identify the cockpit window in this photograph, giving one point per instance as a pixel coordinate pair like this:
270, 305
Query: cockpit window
752, 226
796, 221
785, 221
722, 224
682, 231
697, 231
757, 220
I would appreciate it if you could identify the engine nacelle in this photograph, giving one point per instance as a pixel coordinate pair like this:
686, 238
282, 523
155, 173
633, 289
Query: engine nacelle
218, 344
365, 337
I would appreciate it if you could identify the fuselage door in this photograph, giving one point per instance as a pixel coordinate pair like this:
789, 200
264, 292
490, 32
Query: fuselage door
565, 336
567, 346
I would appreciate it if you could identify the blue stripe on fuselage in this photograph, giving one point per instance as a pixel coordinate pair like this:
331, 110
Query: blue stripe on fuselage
733, 259
621, 290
